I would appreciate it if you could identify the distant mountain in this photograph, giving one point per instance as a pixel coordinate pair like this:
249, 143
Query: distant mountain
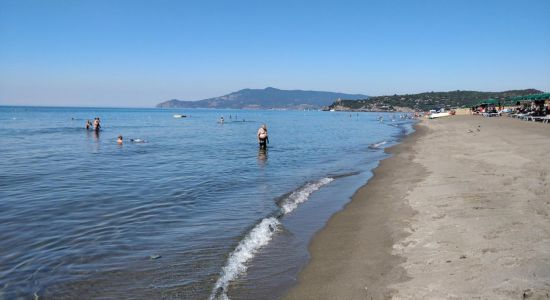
426, 101
265, 99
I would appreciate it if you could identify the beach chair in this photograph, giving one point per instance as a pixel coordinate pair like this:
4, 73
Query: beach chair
526, 116
518, 115
537, 118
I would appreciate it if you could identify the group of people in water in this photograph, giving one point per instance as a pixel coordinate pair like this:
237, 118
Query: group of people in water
222, 120
95, 126
263, 138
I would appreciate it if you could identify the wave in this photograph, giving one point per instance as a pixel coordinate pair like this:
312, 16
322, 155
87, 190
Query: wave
343, 175
259, 237
405, 128
377, 145
300, 195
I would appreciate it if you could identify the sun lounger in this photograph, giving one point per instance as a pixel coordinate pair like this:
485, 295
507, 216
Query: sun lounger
525, 117
519, 116
538, 118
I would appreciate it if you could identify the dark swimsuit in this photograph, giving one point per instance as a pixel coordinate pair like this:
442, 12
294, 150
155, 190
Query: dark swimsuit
263, 142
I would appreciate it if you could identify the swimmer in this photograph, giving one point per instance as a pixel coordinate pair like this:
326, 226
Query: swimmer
88, 124
221, 120
119, 140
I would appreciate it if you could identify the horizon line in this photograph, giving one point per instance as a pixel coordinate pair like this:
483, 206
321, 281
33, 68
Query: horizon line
154, 105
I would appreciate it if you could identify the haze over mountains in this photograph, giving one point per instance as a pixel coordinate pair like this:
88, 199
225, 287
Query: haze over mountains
265, 99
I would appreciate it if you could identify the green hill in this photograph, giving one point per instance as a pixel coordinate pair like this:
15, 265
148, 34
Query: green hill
425, 101
265, 99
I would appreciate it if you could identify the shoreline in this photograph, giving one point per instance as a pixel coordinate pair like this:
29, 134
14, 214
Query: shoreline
333, 272
428, 224
304, 223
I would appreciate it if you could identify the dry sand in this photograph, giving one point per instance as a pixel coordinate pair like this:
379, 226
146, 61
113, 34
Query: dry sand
460, 211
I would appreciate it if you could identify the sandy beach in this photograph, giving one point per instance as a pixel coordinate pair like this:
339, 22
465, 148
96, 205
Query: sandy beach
460, 211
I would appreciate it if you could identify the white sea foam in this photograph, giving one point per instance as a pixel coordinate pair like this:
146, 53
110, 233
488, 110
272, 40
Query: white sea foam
302, 194
258, 237
377, 145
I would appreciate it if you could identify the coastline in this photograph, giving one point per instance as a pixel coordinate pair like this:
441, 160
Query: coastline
339, 257
466, 217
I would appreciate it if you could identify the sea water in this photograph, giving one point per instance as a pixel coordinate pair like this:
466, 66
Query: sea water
193, 211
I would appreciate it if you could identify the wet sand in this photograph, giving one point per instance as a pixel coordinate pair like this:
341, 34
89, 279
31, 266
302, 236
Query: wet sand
460, 211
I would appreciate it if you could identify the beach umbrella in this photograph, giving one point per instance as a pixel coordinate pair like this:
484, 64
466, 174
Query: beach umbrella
542, 96
490, 101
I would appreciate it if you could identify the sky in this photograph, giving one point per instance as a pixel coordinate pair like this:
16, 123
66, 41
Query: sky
139, 53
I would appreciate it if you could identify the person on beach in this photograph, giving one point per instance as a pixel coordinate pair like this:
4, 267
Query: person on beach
119, 140
88, 124
263, 139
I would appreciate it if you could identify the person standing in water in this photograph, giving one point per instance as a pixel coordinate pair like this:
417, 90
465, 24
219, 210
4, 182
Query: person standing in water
263, 139
88, 124
119, 140
97, 125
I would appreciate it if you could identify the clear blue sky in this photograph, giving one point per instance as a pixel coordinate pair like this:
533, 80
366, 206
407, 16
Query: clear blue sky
139, 53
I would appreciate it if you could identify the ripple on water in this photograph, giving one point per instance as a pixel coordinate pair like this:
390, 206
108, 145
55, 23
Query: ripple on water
81, 216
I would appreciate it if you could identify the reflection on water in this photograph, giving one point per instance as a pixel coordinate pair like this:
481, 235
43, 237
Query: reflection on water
262, 157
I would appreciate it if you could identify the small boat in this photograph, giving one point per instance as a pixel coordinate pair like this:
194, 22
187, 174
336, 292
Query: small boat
180, 116
439, 115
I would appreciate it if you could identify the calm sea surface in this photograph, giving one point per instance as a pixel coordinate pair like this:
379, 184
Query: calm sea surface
196, 211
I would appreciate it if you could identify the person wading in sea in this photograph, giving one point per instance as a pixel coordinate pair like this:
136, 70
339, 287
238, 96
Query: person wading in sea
263, 139
97, 124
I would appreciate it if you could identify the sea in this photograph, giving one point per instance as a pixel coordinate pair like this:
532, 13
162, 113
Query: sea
190, 209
